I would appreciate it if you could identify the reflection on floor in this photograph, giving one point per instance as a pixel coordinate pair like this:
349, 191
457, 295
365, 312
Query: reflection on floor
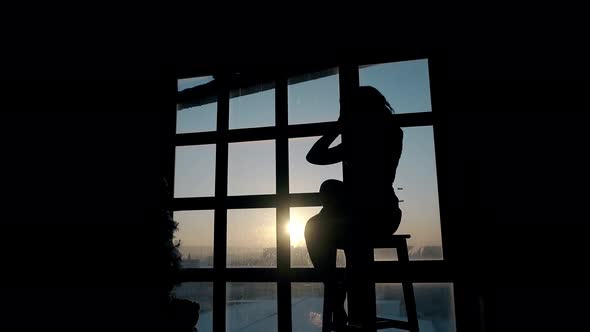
259, 312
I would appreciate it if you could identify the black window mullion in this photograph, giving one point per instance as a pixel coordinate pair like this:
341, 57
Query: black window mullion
293, 131
349, 80
282, 183
170, 166
282, 174
220, 225
441, 184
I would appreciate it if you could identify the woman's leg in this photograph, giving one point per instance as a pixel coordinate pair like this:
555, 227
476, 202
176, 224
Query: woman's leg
359, 256
321, 237
321, 246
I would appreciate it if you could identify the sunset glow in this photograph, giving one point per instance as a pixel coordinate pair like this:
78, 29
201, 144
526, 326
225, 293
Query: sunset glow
296, 228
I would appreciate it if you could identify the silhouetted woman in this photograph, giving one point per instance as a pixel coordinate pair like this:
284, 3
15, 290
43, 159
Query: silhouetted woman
370, 150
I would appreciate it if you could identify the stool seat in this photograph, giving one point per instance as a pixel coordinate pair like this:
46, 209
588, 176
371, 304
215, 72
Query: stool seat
397, 242
392, 241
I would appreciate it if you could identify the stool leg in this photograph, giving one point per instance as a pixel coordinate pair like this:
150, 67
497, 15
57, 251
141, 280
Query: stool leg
408, 288
410, 305
327, 309
371, 309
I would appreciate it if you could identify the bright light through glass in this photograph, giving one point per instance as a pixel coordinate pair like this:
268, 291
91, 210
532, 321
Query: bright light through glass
296, 228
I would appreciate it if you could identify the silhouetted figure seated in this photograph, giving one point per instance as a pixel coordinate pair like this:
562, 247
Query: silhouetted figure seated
364, 207
183, 315
323, 233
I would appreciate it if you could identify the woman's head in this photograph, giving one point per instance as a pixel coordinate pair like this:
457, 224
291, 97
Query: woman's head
366, 104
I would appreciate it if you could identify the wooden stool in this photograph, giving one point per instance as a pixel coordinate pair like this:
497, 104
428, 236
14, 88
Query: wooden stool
371, 322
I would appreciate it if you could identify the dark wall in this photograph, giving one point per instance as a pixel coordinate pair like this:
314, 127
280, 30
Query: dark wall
81, 236
84, 144
513, 143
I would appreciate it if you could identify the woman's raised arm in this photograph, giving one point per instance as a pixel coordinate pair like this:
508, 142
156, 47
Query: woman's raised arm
321, 153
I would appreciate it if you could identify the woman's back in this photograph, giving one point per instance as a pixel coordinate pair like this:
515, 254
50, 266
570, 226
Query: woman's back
371, 158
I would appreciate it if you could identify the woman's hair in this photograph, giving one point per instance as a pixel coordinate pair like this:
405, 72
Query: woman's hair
366, 101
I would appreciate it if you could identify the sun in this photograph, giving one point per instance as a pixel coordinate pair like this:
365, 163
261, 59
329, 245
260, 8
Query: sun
296, 228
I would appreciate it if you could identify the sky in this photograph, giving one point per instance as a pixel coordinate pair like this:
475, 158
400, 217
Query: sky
251, 168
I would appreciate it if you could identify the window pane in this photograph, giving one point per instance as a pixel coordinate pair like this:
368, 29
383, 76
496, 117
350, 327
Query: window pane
307, 301
251, 238
385, 254
299, 253
202, 293
251, 307
306, 177
405, 84
249, 109
197, 119
186, 83
314, 97
416, 187
251, 168
434, 304
194, 174
195, 233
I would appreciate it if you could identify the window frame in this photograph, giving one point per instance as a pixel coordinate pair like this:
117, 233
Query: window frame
427, 271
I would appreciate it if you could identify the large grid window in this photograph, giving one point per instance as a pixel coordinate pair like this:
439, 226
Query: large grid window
244, 191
